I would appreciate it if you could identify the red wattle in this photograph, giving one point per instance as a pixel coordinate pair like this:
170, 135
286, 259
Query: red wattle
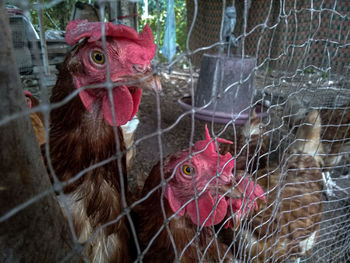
125, 104
205, 208
175, 205
136, 97
86, 99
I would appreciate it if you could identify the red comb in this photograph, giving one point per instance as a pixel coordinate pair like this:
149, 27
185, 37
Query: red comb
78, 29
211, 148
207, 137
27, 93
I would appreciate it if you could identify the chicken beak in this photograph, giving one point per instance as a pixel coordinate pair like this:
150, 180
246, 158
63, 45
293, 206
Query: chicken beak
230, 191
237, 223
152, 83
147, 80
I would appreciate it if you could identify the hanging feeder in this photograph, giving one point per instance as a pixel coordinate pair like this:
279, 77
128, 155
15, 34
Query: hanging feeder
225, 87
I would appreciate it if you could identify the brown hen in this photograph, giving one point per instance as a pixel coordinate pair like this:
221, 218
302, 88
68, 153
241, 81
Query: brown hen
37, 118
191, 236
250, 145
287, 225
335, 134
85, 130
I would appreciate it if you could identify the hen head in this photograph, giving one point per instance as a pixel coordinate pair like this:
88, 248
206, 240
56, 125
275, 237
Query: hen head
129, 57
28, 97
208, 175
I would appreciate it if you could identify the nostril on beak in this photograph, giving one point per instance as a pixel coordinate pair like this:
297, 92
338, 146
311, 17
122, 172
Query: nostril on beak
138, 68
234, 192
230, 190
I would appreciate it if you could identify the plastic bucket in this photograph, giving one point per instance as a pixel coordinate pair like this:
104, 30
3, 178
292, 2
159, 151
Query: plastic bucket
225, 83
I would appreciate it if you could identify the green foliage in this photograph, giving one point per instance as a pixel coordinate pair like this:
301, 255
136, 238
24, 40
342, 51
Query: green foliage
152, 5
181, 25
309, 70
60, 14
180, 20
325, 74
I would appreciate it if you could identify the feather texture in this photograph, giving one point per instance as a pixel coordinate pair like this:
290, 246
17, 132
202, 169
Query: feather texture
78, 140
287, 225
87, 149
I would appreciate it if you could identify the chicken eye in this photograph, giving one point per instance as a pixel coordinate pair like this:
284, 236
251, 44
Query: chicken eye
98, 57
187, 169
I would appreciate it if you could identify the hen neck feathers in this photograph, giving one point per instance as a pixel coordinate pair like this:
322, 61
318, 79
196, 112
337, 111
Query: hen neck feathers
79, 138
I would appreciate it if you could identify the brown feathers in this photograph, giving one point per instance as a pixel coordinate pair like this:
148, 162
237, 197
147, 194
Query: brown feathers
78, 140
335, 134
250, 145
37, 118
39, 128
87, 149
287, 225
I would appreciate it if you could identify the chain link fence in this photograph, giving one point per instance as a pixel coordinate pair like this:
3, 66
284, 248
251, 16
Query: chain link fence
234, 154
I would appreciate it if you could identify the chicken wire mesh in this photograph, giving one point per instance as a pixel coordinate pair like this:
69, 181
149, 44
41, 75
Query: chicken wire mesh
278, 194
